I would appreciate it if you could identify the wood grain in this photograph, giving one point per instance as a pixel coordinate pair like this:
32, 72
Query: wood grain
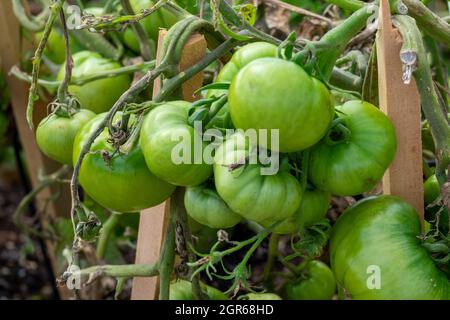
401, 102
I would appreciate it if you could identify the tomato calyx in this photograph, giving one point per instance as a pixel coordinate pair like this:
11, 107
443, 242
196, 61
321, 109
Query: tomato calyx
338, 133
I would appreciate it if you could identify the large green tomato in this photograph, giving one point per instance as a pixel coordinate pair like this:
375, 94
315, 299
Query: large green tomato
356, 151
158, 19
55, 134
247, 192
376, 253
241, 58
122, 183
272, 93
182, 290
55, 49
168, 143
313, 208
316, 283
205, 206
99, 95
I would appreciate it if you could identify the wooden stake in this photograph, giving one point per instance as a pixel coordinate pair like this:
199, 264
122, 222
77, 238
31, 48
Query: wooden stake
401, 102
10, 54
153, 221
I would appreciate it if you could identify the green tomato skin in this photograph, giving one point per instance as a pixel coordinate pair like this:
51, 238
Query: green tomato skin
356, 164
55, 134
432, 191
205, 206
165, 128
313, 208
271, 93
254, 196
182, 290
260, 296
240, 59
99, 95
124, 183
55, 49
384, 232
318, 285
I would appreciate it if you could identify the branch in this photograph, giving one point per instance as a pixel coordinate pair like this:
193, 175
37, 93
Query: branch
33, 96
117, 271
351, 5
429, 22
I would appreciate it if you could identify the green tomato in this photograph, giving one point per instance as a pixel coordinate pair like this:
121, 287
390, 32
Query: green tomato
356, 151
205, 206
241, 58
167, 141
272, 93
260, 296
161, 18
182, 290
247, 192
313, 208
99, 95
432, 191
123, 183
376, 253
55, 49
316, 283
55, 134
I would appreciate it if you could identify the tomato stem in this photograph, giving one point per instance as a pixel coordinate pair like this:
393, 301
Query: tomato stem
338, 133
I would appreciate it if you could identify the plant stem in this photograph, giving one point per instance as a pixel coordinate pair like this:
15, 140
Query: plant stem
119, 271
144, 43
63, 87
34, 24
351, 5
86, 79
105, 233
429, 100
428, 21
439, 67
167, 258
272, 254
345, 80
33, 96
335, 41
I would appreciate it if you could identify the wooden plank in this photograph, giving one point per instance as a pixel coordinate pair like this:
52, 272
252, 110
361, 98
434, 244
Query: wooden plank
10, 51
153, 220
401, 102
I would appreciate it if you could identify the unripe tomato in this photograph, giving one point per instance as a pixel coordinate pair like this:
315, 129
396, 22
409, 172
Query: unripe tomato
260, 296
55, 134
99, 95
247, 192
166, 134
182, 290
356, 151
316, 283
376, 253
122, 183
272, 93
55, 50
204, 205
241, 58
313, 208
432, 190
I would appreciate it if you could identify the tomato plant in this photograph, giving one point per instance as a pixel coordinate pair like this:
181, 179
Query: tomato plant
55, 134
167, 141
355, 152
271, 93
120, 182
316, 282
376, 253
99, 95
